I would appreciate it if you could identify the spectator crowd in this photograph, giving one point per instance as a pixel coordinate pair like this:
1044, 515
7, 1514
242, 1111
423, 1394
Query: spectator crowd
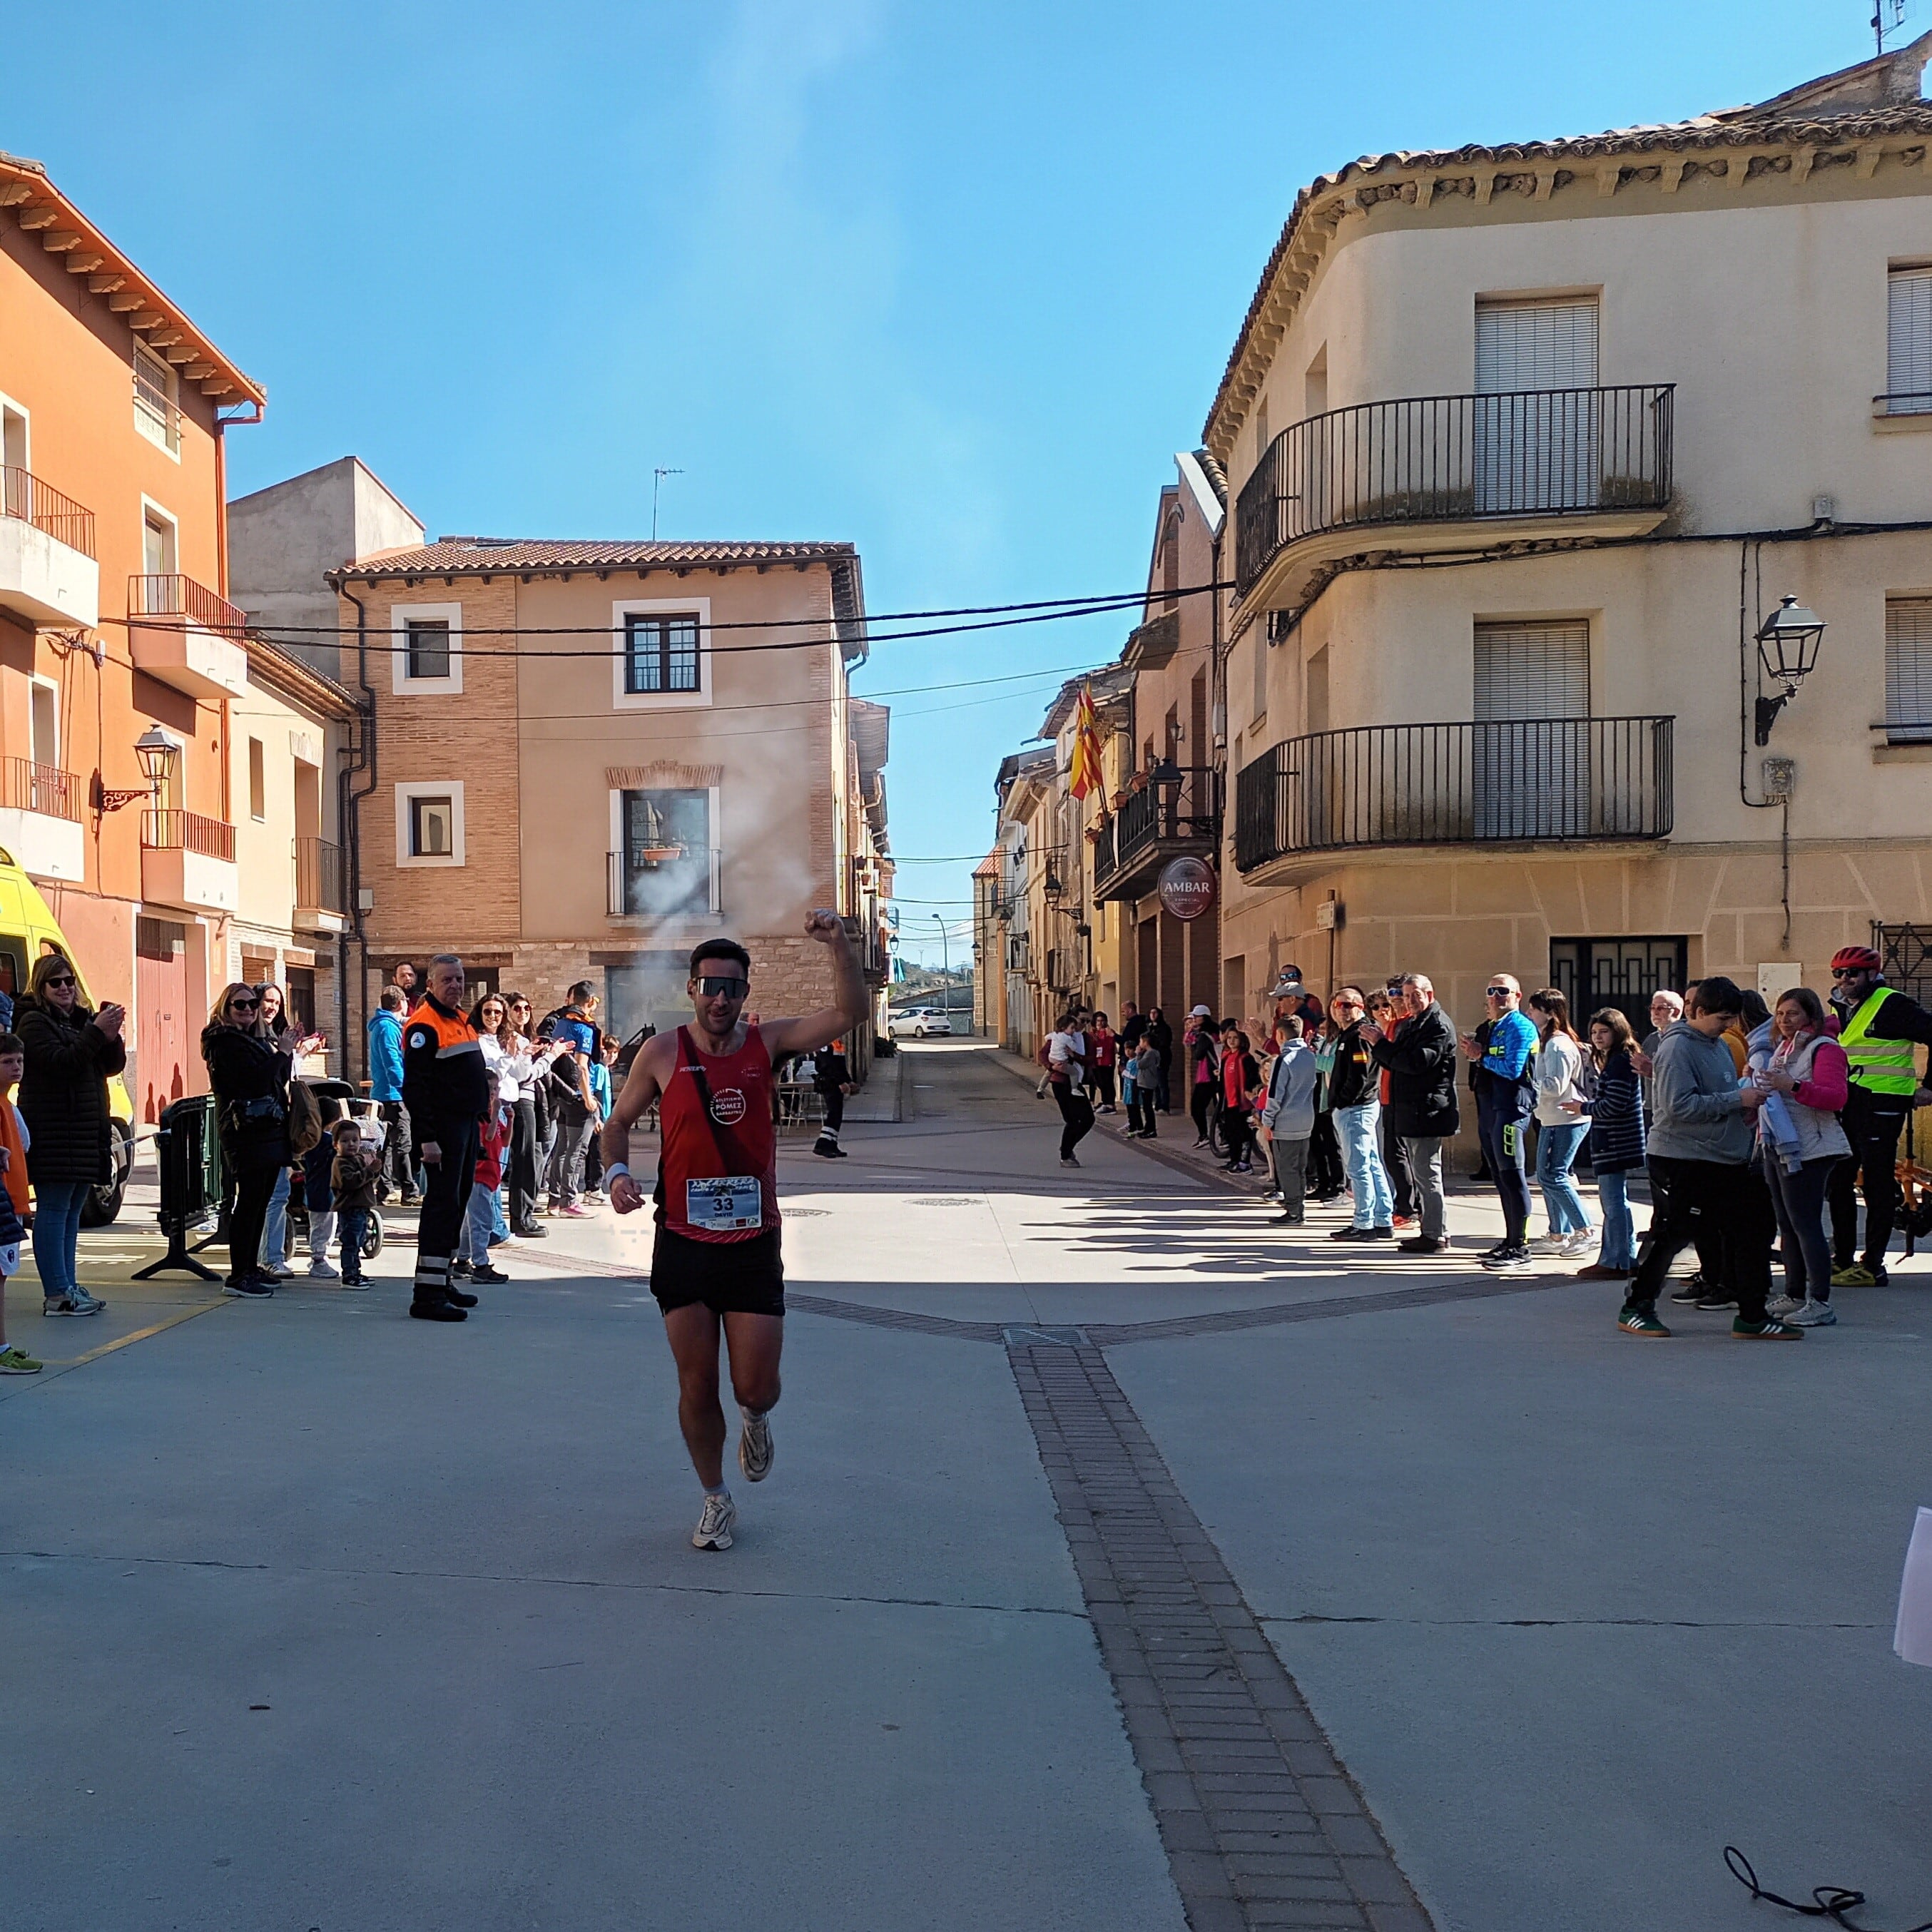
1762, 1133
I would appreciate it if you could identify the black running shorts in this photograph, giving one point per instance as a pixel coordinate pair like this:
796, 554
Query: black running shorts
727, 1277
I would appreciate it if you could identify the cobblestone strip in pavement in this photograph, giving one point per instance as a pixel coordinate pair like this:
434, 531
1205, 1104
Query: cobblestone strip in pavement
1262, 1826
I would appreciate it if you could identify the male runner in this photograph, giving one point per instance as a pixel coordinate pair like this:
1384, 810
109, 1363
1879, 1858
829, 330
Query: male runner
716, 1263
446, 1089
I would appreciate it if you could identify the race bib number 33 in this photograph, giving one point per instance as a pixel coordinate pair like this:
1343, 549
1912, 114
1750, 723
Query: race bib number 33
727, 1205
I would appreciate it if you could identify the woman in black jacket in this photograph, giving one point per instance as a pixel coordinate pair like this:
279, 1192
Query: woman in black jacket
1161, 1035
249, 1077
71, 1053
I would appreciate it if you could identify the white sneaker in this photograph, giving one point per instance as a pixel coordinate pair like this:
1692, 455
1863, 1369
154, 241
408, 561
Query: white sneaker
320, 1271
1812, 1314
754, 1447
714, 1526
1782, 1305
1549, 1244
1580, 1243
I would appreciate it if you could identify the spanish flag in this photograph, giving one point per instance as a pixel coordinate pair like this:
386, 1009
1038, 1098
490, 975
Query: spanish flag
1083, 774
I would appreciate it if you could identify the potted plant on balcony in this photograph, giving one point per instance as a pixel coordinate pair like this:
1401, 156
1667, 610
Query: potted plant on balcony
655, 849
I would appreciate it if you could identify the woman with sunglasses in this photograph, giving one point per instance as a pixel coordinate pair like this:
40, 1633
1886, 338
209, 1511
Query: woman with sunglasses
71, 1053
523, 1064
249, 1074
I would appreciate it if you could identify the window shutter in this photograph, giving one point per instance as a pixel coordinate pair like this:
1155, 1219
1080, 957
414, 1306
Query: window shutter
1543, 345
1909, 363
1533, 671
1908, 669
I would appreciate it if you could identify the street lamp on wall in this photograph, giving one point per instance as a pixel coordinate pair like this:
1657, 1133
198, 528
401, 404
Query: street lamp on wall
158, 754
1787, 651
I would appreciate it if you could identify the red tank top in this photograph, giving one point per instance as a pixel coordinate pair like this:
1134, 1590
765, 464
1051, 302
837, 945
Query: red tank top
701, 1156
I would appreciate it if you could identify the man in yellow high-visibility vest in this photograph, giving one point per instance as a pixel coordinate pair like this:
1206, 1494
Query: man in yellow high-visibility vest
1879, 1028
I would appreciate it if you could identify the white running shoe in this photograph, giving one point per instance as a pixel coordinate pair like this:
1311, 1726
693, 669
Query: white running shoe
1581, 1242
1549, 1244
1782, 1305
714, 1526
754, 1447
1812, 1315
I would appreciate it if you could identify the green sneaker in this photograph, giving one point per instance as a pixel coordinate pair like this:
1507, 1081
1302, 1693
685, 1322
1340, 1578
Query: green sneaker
1641, 1321
1854, 1276
17, 1362
1766, 1330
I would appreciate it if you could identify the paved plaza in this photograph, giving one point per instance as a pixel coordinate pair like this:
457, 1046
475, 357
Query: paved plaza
1126, 1564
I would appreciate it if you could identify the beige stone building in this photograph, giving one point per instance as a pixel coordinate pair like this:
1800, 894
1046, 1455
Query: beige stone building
1524, 444
581, 758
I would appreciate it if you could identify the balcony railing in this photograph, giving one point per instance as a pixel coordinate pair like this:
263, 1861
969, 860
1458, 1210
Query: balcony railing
171, 595
169, 829
1159, 823
685, 886
46, 789
1509, 782
23, 495
319, 876
1454, 459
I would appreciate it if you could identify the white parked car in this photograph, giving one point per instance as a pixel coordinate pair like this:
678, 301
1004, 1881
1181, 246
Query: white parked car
920, 1021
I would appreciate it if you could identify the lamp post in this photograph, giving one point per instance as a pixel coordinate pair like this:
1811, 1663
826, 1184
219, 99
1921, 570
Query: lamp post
945, 968
1787, 652
158, 754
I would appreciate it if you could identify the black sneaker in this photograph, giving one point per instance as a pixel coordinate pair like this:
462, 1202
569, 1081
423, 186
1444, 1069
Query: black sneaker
488, 1277
459, 1298
530, 1232
459, 1270
437, 1310
254, 1287
1360, 1234
1690, 1294
1424, 1244
1714, 1299
1508, 1260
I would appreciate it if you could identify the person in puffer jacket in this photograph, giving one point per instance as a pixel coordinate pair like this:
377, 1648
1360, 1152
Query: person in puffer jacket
1701, 1144
1805, 1076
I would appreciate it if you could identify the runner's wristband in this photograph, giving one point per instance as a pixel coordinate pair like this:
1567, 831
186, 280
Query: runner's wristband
613, 1168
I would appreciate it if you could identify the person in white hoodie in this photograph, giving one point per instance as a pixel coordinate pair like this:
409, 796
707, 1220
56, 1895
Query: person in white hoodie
1288, 1117
1559, 1131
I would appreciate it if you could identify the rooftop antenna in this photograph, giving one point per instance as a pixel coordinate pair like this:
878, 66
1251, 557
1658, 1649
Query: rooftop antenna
1881, 26
657, 481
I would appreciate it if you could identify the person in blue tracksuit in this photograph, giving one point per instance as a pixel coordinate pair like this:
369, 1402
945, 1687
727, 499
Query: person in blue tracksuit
386, 1089
1504, 1049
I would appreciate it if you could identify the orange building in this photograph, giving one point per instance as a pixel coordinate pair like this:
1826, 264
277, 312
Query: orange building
113, 620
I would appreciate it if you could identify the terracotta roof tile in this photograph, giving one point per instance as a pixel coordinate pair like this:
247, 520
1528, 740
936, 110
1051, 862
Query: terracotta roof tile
475, 556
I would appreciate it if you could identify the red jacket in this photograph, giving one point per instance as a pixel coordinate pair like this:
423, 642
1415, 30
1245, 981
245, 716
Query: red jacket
493, 1141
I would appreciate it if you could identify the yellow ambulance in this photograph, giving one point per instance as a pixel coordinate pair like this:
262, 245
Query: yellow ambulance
27, 928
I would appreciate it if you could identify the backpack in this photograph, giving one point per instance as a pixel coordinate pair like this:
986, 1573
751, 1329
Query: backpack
304, 1119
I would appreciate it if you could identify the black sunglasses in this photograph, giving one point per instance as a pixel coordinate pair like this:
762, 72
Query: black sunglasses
716, 988
60, 979
1838, 972
244, 1005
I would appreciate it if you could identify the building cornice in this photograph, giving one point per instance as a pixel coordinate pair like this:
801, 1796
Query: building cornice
41, 209
1588, 171
288, 677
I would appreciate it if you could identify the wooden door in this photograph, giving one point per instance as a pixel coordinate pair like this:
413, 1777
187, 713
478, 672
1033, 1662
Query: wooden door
163, 1026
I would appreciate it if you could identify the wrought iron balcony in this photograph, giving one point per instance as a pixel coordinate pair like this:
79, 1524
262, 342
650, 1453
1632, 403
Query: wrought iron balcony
46, 789
664, 882
23, 495
1160, 822
1517, 781
1426, 460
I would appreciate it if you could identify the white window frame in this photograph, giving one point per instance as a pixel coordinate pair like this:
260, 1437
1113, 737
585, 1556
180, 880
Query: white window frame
401, 683
26, 415
150, 508
165, 436
37, 682
1920, 402
716, 888
407, 792
622, 700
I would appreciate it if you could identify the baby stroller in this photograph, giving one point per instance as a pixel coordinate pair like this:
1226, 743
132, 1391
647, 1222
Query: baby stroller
338, 1100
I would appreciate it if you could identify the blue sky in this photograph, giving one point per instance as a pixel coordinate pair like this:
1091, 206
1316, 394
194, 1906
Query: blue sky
952, 282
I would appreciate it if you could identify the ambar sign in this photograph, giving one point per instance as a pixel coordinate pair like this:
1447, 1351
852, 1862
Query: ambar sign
1186, 887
